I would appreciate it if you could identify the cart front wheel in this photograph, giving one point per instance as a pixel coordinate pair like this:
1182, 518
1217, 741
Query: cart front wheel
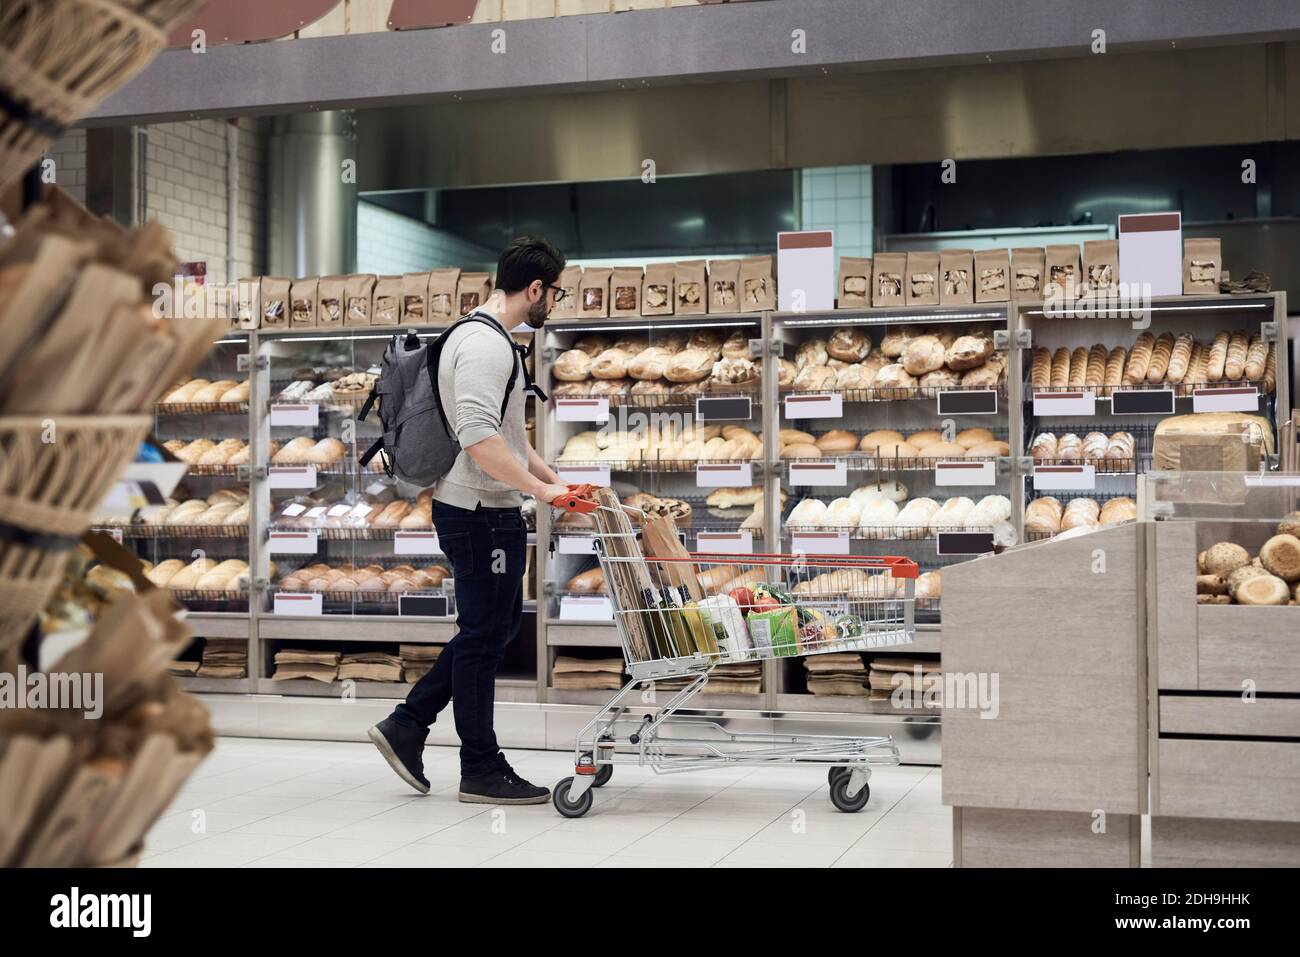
835, 773
560, 798
840, 798
603, 774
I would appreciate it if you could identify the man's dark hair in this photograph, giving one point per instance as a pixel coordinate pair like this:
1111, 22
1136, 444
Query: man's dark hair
525, 259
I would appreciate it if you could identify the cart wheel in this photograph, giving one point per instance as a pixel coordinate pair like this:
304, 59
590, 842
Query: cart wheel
560, 798
603, 774
839, 797
834, 773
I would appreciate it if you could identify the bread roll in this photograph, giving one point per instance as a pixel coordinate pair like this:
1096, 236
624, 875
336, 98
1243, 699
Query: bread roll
1280, 555
942, 450
1060, 377
327, 451
800, 450
391, 515
649, 364
837, 440
843, 513
989, 512
988, 450
217, 455
1238, 350
1118, 510
877, 518
811, 353
1139, 360
967, 352
849, 343
952, 514
893, 381
928, 586
1218, 358
921, 439
1043, 515
814, 378
610, 364
1081, 513
969, 437
924, 354
1179, 360
1078, 367
895, 450
809, 513
1040, 376
1224, 558
1290, 525
572, 366
1262, 590
914, 518
786, 373
891, 489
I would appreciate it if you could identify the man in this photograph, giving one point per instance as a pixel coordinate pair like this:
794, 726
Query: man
476, 512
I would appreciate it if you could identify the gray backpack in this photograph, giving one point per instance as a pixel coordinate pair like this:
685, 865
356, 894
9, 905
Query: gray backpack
418, 445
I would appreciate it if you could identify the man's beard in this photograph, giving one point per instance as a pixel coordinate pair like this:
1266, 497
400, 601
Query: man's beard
537, 312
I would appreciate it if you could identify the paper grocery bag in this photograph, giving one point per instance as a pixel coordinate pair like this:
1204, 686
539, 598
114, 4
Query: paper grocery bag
1100, 267
921, 285
442, 294
1062, 272
660, 539
957, 277
757, 285
1027, 266
275, 302
358, 294
854, 287
570, 279
1202, 263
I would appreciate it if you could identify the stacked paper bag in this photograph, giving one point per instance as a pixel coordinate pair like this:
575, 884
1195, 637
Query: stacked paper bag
417, 660
301, 663
179, 667
914, 677
224, 658
587, 674
744, 677
842, 673
371, 666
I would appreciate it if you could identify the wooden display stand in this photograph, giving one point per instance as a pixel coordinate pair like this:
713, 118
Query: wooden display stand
1058, 776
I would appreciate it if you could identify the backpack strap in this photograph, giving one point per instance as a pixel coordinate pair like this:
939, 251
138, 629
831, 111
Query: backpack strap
435, 353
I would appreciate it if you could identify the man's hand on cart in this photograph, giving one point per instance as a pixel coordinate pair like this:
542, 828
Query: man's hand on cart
576, 498
551, 493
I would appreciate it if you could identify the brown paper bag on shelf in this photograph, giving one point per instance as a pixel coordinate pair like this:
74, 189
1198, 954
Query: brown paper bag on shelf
757, 284
887, 272
246, 307
593, 293
992, 276
275, 302
657, 290
956, 277
570, 279
1027, 269
854, 286
1202, 266
690, 287
358, 300
442, 294
331, 295
388, 301
921, 278
472, 291
304, 302
1100, 267
625, 291
415, 298
1062, 272
724, 285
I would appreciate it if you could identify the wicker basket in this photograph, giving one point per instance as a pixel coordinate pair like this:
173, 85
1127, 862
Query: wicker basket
54, 473
60, 58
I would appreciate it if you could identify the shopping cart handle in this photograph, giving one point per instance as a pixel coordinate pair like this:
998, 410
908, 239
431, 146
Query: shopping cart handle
577, 499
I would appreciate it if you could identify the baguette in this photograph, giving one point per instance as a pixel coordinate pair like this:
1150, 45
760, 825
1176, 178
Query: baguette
1218, 357
1115, 364
1096, 373
1195, 368
1041, 376
1256, 357
1078, 367
1181, 358
1139, 359
1161, 353
1060, 368
1238, 347
1270, 370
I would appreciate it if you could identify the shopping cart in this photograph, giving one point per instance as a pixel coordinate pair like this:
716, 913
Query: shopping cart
680, 618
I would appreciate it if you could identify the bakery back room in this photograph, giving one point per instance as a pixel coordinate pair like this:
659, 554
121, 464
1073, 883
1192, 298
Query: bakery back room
888, 419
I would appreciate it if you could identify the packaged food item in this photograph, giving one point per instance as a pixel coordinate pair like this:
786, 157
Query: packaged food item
415, 298
358, 295
570, 279
657, 290
329, 309
921, 287
956, 271
388, 301
625, 291
1100, 267
303, 302
1027, 266
246, 312
593, 293
777, 629
1062, 271
442, 294
706, 642
724, 282
854, 288
991, 276
275, 302
887, 271
1202, 264
730, 634
472, 291
757, 284
690, 288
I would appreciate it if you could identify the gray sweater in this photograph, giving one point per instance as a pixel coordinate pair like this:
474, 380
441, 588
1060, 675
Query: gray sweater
472, 376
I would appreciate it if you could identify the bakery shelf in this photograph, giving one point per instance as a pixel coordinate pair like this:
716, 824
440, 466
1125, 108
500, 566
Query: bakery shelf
216, 471
360, 600
184, 531
885, 315
379, 629
904, 394
336, 333
581, 635
706, 700
849, 704
1182, 391
647, 464
507, 689
350, 534
870, 463
218, 624
646, 323
1214, 305
200, 685
663, 400
200, 408
1143, 435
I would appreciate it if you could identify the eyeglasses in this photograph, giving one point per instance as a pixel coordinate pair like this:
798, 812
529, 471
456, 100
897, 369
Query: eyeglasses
559, 293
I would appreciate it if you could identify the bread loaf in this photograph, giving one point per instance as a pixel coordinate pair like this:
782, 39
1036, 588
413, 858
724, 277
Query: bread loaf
1225, 558
1096, 372
689, 365
952, 515
1080, 512
1115, 365
1216, 363
800, 450
1179, 360
1040, 376
893, 344
878, 517
587, 583
837, 440
811, 353
591, 343
1043, 447
1139, 359
1256, 359
1078, 368
894, 381
610, 364
1270, 369
872, 440
327, 451
843, 513
809, 513
967, 352
731, 497
942, 450
969, 437
1060, 368
924, 354
923, 438
1117, 510
572, 366
736, 346
1044, 515
850, 343
914, 518
1262, 590
815, 378
1238, 349
1280, 555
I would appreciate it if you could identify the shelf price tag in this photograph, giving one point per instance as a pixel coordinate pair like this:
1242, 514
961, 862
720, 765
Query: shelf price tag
963, 543
819, 473
292, 543
429, 606
1234, 399
291, 476
297, 603
1083, 402
965, 473
1065, 478
811, 406
581, 410
721, 474
724, 408
415, 543
731, 543
586, 608
302, 415
968, 402
576, 545
114, 533
1142, 402
583, 474
820, 543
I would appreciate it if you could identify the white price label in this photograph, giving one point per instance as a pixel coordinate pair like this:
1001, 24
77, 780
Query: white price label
375, 488
1236, 399
297, 603
305, 415
576, 545
581, 410
820, 543
721, 474
583, 475
292, 543
316, 512
337, 511
819, 473
814, 406
586, 608
1082, 402
1065, 478
294, 509
291, 476
730, 543
415, 543
965, 473
361, 510
114, 533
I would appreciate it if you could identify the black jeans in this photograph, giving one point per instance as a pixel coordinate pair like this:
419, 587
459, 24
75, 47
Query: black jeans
486, 550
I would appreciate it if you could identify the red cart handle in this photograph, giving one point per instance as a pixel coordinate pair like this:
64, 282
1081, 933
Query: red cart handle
578, 499
896, 566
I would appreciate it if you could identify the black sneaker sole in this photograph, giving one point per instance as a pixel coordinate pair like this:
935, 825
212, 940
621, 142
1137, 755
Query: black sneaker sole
379, 741
466, 798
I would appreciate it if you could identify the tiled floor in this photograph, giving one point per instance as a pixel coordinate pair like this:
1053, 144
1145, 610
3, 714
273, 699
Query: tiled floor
266, 803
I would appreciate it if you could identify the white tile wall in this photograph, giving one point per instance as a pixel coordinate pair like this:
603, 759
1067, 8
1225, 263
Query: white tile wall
839, 198
389, 243
69, 155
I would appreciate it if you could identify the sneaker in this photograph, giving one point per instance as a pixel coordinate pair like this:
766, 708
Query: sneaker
403, 749
501, 786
